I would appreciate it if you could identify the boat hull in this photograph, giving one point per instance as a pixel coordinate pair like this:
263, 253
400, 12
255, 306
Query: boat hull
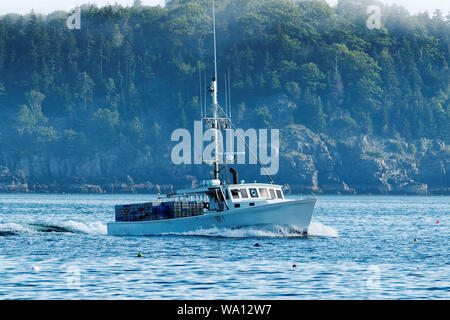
296, 213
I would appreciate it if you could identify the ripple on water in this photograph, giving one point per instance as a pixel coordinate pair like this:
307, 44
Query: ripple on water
358, 247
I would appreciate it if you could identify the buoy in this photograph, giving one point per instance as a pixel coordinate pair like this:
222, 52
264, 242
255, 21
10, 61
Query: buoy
294, 266
139, 255
437, 221
36, 268
416, 240
257, 245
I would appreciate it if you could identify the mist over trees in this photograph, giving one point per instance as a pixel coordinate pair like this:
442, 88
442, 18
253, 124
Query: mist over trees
129, 76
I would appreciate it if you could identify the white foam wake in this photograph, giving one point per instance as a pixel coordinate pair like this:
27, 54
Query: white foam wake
315, 229
98, 227
318, 229
69, 226
95, 227
11, 228
245, 232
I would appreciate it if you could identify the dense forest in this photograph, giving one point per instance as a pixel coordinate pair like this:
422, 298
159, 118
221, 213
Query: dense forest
130, 75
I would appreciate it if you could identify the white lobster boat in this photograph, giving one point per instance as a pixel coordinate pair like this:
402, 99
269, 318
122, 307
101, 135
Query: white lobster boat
227, 206
215, 203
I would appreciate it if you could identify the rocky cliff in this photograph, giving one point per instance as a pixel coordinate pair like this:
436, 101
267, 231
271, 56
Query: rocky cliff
365, 165
309, 164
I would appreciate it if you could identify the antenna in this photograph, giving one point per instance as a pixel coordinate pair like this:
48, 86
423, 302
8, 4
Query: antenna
229, 94
226, 92
201, 93
205, 102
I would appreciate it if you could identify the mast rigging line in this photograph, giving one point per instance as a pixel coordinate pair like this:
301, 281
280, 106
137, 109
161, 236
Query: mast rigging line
246, 144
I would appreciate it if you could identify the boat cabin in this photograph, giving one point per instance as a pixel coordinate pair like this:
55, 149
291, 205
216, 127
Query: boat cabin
220, 197
252, 194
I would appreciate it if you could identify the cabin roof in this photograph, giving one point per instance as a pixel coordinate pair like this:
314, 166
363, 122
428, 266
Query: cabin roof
255, 185
235, 186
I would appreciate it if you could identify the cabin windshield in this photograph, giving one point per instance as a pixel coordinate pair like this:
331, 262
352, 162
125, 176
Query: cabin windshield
253, 193
263, 192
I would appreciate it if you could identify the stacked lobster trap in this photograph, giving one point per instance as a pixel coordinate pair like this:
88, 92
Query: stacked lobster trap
158, 210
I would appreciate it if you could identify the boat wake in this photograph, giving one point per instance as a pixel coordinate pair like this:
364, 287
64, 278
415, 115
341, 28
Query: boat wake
69, 226
316, 229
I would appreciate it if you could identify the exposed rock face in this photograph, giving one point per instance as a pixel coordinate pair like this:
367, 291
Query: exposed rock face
12, 183
302, 171
363, 165
433, 171
306, 159
366, 174
309, 163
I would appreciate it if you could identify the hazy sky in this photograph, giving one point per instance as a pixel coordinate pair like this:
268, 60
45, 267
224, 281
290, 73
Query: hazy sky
47, 6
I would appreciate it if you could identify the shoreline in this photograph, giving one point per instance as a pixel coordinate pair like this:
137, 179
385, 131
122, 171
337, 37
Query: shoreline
393, 194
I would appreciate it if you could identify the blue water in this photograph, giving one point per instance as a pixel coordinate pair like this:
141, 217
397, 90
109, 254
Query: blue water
359, 247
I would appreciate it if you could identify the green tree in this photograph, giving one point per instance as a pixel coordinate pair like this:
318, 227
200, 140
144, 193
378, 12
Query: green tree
264, 118
311, 77
311, 111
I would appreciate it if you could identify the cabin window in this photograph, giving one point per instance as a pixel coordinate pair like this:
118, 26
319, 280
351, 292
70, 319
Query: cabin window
272, 194
237, 205
279, 194
263, 193
244, 194
235, 193
253, 193
251, 204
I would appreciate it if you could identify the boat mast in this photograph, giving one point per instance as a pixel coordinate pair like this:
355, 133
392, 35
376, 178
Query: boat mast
215, 50
218, 122
215, 103
215, 121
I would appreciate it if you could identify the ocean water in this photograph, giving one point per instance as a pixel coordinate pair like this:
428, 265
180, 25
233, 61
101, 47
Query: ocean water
359, 247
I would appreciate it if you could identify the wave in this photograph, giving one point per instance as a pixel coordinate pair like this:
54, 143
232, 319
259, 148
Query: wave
316, 229
70, 226
12, 229
44, 227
